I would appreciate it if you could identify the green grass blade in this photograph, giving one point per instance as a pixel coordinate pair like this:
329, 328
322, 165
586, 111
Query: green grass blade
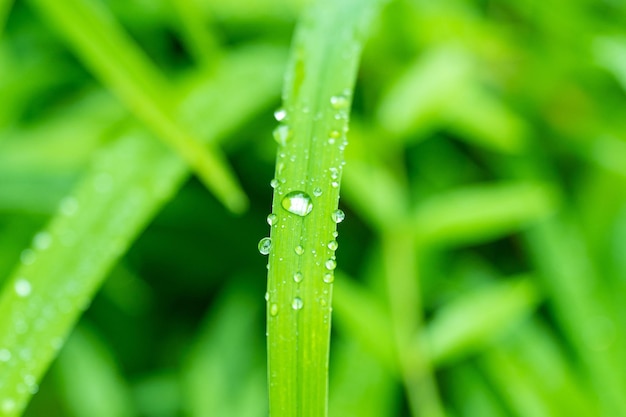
199, 40
114, 200
5, 8
113, 57
317, 97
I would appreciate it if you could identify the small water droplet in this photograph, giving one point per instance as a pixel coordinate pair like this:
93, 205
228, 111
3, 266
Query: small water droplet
334, 173
334, 184
297, 303
335, 234
274, 183
5, 355
339, 102
331, 141
8, 405
28, 257
42, 240
299, 250
333, 245
273, 309
265, 245
329, 277
272, 219
298, 277
335, 134
317, 191
282, 134
297, 202
280, 114
338, 216
267, 296
330, 264
22, 287
68, 206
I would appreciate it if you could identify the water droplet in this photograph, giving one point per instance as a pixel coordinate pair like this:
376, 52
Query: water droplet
42, 240
334, 184
330, 264
334, 173
264, 245
299, 250
335, 234
272, 219
28, 257
331, 141
317, 191
298, 277
280, 114
274, 183
338, 216
22, 287
297, 202
273, 309
333, 245
339, 102
267, 296
335, 134
8, 405
5, 355
282, 134
297, 303
329, 277
68, 206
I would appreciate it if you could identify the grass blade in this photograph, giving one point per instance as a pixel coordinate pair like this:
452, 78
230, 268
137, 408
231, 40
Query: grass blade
97, 38
115, 199
317, 98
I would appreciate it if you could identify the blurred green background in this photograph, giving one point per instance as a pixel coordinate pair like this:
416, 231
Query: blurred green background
499, 126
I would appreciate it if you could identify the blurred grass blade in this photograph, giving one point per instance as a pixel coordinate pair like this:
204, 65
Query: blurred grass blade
480, 213
475, 320
610, 53
221, 377
199, 40
91, 383
5, 8
119, 63
317, 97
126, 185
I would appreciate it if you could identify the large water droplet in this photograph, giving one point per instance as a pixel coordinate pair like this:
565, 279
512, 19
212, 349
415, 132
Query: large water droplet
282, 134
272, 219
22, 287
330, 264
273, 309
297, 303
297, 202
333, 245
265, 245
338, 216
280, 114
298, 277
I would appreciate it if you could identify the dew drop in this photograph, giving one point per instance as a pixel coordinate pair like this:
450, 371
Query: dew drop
334, 184
267, 296
68, 206
329, 277
298, 277
297, 303
272, 219
299, 250
282, 134
42, 240
5, 355
264, 245
273, 309
22, 287
274, 183
297, 202
317, 191
280, 114
8, 405
330, 264
335, 134
338, 216
335, 234
331, 141
339, 102
333, 245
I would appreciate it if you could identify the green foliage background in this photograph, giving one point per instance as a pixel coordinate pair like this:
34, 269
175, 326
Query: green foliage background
481, 263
